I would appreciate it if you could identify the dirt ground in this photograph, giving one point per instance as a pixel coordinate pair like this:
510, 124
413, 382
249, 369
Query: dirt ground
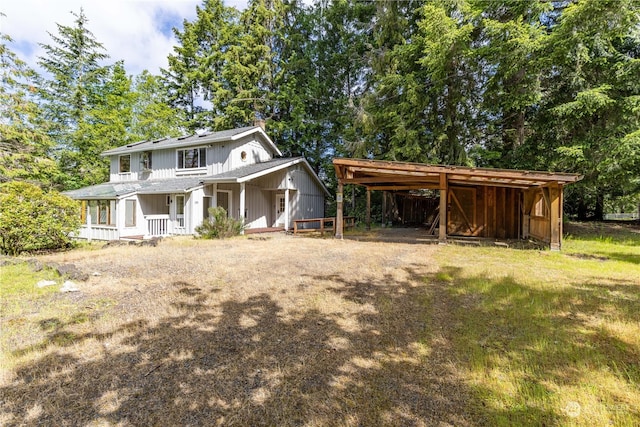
262, 330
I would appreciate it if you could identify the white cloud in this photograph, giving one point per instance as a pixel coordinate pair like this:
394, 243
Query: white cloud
136, 31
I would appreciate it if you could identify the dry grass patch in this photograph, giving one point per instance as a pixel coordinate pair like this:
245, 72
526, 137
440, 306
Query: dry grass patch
308, 331
282, 331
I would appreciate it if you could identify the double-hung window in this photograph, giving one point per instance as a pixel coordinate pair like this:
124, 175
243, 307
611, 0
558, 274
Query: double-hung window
192, 158
125, 163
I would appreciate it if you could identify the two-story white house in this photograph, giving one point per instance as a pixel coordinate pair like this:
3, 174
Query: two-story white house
165, 187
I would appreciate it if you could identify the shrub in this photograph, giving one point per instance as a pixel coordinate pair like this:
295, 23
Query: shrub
31, 219
219, 225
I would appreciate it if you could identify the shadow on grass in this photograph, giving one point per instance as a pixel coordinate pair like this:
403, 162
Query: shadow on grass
622, 256
249, 363
402, 356
526, 346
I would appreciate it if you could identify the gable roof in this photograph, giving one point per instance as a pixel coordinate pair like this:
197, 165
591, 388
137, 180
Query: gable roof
195, 140
256, 170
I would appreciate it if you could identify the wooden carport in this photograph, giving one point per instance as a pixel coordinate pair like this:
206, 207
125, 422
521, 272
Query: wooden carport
479, 202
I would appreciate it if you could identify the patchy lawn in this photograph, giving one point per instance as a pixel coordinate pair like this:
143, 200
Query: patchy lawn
283, 330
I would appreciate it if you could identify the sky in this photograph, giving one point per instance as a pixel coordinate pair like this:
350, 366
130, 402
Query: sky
136, 31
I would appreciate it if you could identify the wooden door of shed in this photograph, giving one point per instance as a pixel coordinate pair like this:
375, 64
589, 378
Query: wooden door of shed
462, 215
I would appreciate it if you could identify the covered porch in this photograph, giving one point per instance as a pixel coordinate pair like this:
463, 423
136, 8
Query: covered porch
471, 202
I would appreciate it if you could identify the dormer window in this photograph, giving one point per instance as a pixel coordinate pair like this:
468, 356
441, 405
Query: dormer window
192, 158
125, 163
145, 161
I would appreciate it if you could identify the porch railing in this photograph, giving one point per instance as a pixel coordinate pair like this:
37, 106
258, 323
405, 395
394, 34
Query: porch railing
161, 225
98, 232
157, 225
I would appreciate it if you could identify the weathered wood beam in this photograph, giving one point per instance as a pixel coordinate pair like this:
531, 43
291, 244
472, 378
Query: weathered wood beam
339, 211
389, 179
555, 210
442, 232
404, 167
404, 187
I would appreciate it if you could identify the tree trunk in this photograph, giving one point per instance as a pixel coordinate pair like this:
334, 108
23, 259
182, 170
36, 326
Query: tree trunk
599, 208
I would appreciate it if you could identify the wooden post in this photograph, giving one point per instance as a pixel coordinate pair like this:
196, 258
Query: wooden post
555, 217
214, 195
368, 217
529, 196
339, 211
384, 208
442, 235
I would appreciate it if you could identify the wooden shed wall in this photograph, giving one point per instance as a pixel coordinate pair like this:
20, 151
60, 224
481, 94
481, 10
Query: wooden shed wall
484, 211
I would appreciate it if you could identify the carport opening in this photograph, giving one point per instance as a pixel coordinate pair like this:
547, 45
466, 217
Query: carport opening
415, 208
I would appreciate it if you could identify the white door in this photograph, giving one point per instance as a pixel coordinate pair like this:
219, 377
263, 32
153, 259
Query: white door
280, 210
176, 212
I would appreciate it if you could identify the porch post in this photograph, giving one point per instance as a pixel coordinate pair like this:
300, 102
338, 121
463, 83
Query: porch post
339, 209
286, 210
442, 229
214, 196
368, 217
89, 231
242, 203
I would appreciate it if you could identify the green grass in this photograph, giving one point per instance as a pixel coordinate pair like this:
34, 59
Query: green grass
32, 318
18, 287
549, 338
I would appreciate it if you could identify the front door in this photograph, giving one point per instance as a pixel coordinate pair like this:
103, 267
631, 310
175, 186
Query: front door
176, 213
280, 210
224, 201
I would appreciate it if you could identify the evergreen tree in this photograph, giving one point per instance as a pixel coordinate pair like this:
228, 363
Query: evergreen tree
152, 117
77, 76
106, 124
590, 119
510, 39
25, 146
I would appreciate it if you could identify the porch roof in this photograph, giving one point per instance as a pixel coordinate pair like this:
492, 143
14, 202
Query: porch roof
115, 190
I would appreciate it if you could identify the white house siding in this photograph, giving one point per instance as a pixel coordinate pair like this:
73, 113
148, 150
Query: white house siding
194, 218
259, 206
140, 228
308, 201
221, 157
164, 165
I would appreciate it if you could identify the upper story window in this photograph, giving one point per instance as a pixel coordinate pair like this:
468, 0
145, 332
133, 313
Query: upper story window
192, 158
145, 160
125, 163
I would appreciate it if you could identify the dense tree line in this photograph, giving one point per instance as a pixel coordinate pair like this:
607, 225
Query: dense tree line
519, 84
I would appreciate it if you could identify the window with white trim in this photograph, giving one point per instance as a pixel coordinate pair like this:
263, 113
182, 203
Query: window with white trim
129, 213
192, 158
102, 212
125, 163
